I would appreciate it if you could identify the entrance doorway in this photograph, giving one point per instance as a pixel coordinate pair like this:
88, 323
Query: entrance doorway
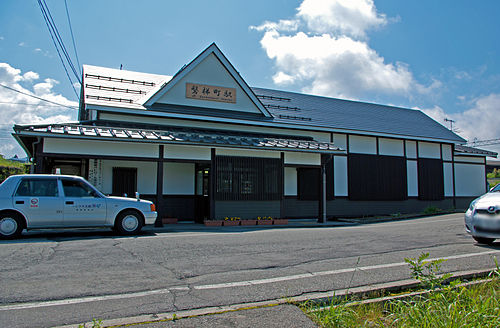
202, 198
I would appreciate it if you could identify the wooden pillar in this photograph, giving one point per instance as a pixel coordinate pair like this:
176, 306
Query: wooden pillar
282, 198
39, 158
212, 183
322, 194
159, 187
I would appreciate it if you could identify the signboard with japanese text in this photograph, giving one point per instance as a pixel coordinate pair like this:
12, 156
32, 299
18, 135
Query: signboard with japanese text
95, 173
210, 92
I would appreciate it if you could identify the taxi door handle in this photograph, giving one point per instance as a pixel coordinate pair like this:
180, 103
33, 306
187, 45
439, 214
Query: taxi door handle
19, 201
69, 202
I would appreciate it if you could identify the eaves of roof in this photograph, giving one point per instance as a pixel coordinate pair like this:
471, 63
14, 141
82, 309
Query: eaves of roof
465, 150
182, 137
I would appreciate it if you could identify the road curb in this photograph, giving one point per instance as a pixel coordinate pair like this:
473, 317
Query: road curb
326, 296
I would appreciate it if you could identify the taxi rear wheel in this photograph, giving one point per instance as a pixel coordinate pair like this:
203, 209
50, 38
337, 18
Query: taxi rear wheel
128, 223
483, 240
10, 225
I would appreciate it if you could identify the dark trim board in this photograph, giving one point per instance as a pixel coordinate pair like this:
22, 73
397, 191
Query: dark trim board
248, 209
303, 166
343, 207
181, 207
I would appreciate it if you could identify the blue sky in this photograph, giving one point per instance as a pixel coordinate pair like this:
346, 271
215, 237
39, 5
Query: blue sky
438, 56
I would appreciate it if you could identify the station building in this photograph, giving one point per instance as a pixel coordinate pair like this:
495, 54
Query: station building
202, 144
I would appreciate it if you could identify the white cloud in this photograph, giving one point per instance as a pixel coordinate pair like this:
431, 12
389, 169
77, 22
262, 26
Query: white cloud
326, 52
16, 108
481, 121
349, 17
30, 76
282, 25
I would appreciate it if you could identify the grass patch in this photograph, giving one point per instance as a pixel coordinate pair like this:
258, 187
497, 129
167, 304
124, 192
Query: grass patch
8, 168
477, 306
450, 305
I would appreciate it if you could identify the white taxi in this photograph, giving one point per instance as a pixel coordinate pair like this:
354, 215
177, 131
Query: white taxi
482, 219
36, 201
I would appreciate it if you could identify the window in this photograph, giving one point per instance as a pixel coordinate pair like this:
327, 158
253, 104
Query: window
248, 178
37, 188
374, 177
76, 188
430, 179
124, 181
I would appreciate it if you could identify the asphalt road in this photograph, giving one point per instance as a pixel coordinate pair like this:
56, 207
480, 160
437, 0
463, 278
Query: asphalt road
51, 279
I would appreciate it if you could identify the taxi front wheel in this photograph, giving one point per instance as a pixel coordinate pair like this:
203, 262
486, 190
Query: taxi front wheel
10, 225
128, 223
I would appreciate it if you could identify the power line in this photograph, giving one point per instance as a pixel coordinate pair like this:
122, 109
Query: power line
487, 142
61, 42
72, 37
26, 104
27, 94
54, 35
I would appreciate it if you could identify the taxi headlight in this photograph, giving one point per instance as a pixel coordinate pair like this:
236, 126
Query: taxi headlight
153, 207
472, 205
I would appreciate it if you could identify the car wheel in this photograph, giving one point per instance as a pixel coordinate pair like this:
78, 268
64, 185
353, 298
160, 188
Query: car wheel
128, 223
483, 240
10, 225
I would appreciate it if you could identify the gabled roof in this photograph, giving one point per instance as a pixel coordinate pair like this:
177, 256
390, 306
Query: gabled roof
161, 90
113, 87
355, 116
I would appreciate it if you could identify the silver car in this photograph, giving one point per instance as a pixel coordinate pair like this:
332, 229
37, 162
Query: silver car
34, 201
482, 219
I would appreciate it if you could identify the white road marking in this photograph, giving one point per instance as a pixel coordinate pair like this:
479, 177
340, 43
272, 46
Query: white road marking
327, 273
246, 283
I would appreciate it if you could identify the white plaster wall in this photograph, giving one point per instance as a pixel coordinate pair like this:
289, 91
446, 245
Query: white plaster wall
94, 147
412, 176
340, 176
178, 178
318, 136
290, 181
340, 140
469, 159
187, 152
146, 175
470, 179
429, 150
302, 158
362, 145
448, 179
391, 147
447, 152
247, 153
209, 72
411, 149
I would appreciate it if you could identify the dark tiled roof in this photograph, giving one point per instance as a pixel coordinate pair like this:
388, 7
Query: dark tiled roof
296, 108
175, 136
471, 150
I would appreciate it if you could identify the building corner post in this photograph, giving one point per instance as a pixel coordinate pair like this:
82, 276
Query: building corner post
159, 187
322, 196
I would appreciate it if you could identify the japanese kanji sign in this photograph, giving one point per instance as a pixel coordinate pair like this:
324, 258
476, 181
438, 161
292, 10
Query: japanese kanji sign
210, 92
